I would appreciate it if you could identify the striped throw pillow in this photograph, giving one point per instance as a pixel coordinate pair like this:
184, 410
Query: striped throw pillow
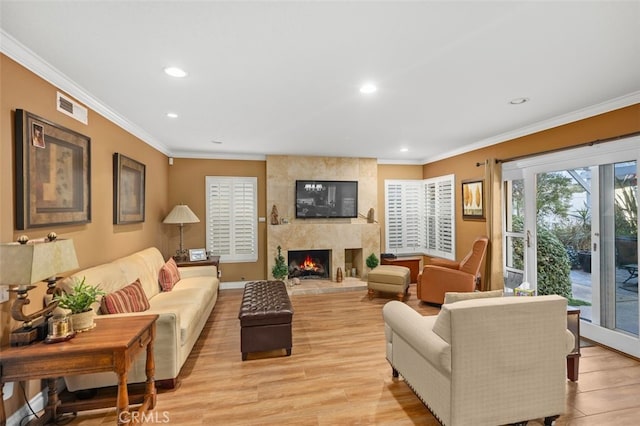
169, 275
130, 298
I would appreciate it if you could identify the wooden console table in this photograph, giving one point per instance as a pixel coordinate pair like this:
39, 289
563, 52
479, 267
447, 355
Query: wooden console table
210, 260
111, 346
413, 263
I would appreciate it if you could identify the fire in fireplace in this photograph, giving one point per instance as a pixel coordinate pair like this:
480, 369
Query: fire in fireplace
309, 264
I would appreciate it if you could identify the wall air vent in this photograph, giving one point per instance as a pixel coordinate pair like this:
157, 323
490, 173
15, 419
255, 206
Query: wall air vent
68, 106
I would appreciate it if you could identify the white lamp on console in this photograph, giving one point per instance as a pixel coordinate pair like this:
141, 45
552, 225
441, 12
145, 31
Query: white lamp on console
180, 215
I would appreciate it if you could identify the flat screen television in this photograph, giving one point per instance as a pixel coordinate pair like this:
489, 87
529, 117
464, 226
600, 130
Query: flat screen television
326, 198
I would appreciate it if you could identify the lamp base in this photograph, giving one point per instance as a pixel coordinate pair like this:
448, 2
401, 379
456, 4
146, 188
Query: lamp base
24, 336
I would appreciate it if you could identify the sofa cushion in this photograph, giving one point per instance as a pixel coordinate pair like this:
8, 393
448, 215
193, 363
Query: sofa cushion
169, 275
452, 297
130, 298
442, 326
181, 302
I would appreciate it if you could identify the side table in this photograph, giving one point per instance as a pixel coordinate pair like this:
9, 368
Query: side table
111, 346
210, 260
413, 263
573, 359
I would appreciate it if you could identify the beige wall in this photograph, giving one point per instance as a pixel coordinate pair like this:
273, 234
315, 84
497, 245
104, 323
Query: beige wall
187, 186
100, 240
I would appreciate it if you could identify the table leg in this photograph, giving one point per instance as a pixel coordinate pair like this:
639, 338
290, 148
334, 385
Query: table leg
51, 410
123, 400
3, 416
573, 364
150, 369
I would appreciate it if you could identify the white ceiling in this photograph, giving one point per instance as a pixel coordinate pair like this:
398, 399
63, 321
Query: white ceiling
283, 77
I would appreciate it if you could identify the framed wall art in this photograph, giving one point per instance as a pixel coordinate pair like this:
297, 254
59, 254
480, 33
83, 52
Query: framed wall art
473, 199
53, 173
128, 190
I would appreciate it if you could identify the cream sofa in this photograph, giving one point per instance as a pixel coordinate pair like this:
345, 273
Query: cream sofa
183, 312
488, 361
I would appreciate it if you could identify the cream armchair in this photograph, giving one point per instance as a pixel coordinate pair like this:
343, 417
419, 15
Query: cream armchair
489, 361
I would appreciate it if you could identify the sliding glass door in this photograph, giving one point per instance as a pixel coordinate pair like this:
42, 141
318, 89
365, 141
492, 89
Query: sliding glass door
576, 235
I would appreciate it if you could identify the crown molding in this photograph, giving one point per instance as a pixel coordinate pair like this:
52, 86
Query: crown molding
34, 63
590, 111
219, 156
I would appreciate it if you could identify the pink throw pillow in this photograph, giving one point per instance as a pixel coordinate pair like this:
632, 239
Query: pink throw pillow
130, 298
169, 275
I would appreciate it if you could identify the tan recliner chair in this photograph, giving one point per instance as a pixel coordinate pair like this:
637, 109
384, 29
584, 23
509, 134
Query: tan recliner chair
443, 275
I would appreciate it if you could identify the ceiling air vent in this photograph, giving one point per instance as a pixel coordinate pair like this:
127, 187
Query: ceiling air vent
73, 109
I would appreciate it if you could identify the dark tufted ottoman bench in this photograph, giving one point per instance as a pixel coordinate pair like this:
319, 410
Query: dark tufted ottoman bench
265, 318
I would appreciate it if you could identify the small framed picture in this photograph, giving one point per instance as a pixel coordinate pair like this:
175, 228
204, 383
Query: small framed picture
197, 254
473, 199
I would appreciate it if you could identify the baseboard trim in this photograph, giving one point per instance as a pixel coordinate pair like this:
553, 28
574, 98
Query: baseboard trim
230, 285
37, 403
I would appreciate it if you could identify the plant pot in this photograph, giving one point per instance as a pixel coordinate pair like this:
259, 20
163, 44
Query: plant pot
584, 258
83, 321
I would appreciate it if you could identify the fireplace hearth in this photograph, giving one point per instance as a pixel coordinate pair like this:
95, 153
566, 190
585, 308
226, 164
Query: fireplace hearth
309, 264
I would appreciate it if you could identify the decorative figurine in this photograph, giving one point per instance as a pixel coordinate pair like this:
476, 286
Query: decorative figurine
274, 215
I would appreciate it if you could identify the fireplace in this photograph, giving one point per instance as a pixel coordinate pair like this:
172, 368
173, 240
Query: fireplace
309, 264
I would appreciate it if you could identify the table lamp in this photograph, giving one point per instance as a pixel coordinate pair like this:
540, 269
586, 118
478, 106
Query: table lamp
180, 215
22, 266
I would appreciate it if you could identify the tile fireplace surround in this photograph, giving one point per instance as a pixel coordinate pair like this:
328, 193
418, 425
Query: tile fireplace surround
361, 238
354, 238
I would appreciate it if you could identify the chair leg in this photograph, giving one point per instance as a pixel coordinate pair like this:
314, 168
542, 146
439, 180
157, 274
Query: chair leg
371, 293
395, 373
548, 421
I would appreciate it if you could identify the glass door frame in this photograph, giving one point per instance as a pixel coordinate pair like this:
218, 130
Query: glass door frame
589, 156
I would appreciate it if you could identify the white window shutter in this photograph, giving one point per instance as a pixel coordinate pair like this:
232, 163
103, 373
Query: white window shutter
232, 226
420, 216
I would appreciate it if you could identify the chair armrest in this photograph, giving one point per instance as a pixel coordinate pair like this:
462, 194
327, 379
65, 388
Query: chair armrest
435, 281
445, 263
416, 330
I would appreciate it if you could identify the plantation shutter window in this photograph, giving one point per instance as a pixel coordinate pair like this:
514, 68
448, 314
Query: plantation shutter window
232, 225
420, 216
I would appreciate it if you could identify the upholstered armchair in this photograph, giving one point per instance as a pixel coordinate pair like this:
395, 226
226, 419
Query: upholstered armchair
486, 361
442, 275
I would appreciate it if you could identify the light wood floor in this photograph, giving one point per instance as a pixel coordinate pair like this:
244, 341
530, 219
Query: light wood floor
338, 375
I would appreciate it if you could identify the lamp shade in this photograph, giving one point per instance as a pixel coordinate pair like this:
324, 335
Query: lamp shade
181, 214
25, 264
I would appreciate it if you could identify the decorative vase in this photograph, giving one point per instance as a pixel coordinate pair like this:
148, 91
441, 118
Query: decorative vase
339, 275
83, 321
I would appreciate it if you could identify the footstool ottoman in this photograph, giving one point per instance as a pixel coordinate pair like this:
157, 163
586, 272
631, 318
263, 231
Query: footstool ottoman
389, 279
265, 318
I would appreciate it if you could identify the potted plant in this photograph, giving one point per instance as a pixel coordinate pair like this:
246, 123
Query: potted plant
372, 261
79, 302
280, 270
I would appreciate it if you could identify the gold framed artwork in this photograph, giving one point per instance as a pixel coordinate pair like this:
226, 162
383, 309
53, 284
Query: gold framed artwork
128, 190
473, 199
53, 173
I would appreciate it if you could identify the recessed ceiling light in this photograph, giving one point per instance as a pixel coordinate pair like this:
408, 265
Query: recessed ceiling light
518, 101
368, 88
175, 72
404, 149
217, 142
172, 115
